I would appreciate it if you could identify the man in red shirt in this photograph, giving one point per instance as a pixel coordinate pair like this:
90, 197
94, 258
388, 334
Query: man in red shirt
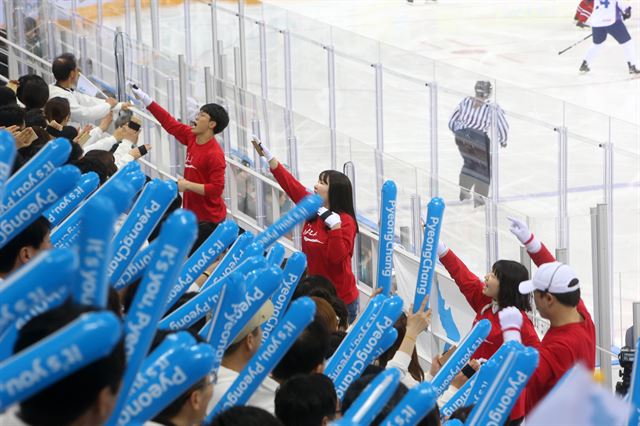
571, 337
203, 183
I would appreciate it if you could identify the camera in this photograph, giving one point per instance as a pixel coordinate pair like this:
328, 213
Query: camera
626, 358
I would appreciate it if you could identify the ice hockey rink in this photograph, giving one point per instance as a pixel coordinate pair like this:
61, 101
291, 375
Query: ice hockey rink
514, 44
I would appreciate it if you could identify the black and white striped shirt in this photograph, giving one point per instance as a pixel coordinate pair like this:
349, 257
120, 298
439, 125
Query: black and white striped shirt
474, 114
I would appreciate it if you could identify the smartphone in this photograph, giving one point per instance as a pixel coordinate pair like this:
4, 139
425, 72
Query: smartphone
257, 146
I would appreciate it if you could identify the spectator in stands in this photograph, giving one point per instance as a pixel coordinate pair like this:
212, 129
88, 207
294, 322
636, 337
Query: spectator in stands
245, 416
307, 355
85, 397
487, 298
98, 161
571, 337
25, 246
84, 109
35, 117
306, 400
327, 239
236, 357
32, 91
203, 182
190, 408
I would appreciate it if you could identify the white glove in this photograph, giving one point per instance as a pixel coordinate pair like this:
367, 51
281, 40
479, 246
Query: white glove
442, 249
511, 323
141, 95
522, 233
262, 149
330, 218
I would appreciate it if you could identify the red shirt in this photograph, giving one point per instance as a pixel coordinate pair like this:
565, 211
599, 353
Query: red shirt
561, 347
204, 164
328, 251
471, 287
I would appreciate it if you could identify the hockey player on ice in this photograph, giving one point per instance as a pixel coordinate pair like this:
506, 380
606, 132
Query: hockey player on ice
607, 18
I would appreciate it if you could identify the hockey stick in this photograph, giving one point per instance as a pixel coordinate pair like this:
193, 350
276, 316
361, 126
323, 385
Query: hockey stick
575, 44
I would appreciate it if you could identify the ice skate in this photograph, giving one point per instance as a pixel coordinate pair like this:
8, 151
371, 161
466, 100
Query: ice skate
584, 67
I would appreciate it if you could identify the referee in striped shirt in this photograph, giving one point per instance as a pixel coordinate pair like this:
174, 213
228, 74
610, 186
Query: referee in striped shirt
470, 123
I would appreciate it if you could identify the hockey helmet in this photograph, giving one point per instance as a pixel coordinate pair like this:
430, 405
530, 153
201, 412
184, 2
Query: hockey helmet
483, 89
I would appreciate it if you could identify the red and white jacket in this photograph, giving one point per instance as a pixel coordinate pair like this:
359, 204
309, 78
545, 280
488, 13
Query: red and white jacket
329, 252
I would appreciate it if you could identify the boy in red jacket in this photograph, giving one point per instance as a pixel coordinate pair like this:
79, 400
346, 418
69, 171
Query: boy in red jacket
571, 337
203, 183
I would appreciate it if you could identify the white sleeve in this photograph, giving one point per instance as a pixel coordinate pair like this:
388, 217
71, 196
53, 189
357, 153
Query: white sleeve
86, 109
104, 144
122, 155
95, 135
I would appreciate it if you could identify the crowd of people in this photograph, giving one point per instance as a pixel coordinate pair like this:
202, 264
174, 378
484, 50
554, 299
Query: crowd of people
293, 387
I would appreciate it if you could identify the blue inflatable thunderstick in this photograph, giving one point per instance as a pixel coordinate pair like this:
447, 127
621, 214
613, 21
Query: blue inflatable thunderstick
204, 256
291, 274
60, 210
7, 157
145, 214
52, 155
302, 211
461, 356
176, 238
372, 400
91, 286
387, 234
415, 405
429, 252
60, 354
26, 210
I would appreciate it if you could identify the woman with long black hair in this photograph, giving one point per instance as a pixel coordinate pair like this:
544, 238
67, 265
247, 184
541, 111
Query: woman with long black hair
328, 239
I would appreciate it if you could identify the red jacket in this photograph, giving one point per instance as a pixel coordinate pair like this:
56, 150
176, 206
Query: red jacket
561, 347
471, 287
328, 251
204, 164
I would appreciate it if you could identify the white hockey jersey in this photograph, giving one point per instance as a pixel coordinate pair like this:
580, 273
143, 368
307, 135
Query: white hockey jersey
606, 12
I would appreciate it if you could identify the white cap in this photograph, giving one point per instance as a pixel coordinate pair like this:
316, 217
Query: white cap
264, 313
554, 277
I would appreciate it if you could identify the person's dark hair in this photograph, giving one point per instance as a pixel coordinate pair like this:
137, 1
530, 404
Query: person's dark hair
305, 400
173, 409
76, 153
325, 314
511, 274
113, 302
217, 114
308, 351
245, 416
34, 117
11, 115
414, 369
63, 65
28, 152
341, 311
311, 282
99, 161
356, 388
32, 91
64, 401
32, 236
129, 294
57, 109
570, 299
462, 413
7, 96
340, 192
335, 340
